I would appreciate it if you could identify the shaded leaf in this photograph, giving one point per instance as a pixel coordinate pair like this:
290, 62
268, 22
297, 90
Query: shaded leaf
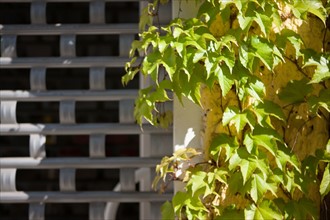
167, 211
295, 91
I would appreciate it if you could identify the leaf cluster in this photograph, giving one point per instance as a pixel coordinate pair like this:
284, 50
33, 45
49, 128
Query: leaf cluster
251, 162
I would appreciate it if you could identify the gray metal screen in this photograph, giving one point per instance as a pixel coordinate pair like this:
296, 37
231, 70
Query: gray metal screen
69, 145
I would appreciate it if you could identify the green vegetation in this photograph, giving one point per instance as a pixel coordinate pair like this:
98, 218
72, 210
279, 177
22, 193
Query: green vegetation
252, 170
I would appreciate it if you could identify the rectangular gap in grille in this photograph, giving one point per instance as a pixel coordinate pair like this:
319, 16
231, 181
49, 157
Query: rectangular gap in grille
14, 13
63, 211
67, 146
67, 79
97, 45
37, 112
38, 46
122, 145
96, 179
122, 12
37, 180
97, 112
15, 79
113, 79
13, 146
14, 211
128, 211
66, 13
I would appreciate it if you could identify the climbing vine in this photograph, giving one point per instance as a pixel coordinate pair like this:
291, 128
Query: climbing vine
230, 59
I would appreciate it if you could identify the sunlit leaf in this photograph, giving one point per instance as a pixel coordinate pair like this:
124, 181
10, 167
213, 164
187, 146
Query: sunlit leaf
325, 183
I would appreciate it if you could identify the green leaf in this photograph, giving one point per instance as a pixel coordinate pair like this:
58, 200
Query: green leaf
266, 138
258, 187
225, 79
255, 88
263, 50
322, 71
179, 200
247, 168
220, 142
169, 61
289, 36
266, 108
295, 91
302, 7
325, 182
233, 116
268, 210
197, 182
167, 211
322, 100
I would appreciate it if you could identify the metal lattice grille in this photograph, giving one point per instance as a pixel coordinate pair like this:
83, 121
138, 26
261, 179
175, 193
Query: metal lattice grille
65, 114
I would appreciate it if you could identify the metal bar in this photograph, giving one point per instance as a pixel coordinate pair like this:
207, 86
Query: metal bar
78, 29
62, 62
59, 95
82, 197
77, 129
78, 162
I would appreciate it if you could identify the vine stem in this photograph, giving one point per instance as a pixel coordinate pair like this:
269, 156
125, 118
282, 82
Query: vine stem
298, 67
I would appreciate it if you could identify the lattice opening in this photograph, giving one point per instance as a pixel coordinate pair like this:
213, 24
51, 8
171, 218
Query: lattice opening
97, 45
37, 180
14, 13
122, 12
14, 211
67, 78
69, 12
14, 146
61, 211
15, 79
97, 112
113, 79
38, 46
67, 146
128, 211
96, 179
37, 112
122, 145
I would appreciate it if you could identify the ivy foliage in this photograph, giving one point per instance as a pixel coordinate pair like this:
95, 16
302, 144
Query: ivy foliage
250, 172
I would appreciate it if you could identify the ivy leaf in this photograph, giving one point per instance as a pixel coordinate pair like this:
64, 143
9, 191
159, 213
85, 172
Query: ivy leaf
230, 213
235, 183
225, 79
179, 200
167, 211
263, 50
322, 71
295, 91
247, 168
145, 18
322, 100
301, 8
268, 210
289, 36
268, 108
169, 61
258, 187
222, 141
197, 181
232, 115
256, 88
266, 138
325, 182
